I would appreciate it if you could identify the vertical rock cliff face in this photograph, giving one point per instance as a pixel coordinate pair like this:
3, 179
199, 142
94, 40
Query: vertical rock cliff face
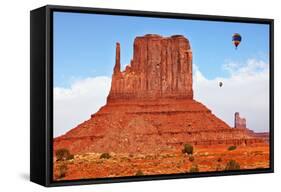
161, 68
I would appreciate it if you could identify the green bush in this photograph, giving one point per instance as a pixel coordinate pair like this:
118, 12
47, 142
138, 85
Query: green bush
194, 169
191, 158
70, 157
232, 165
139, 173
105, 156
188, 149
63, 154
231, 148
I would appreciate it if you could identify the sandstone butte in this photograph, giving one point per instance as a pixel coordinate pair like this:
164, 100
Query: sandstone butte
150, 106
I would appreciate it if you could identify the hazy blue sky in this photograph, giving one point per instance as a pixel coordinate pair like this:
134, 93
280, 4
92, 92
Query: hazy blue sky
84, 44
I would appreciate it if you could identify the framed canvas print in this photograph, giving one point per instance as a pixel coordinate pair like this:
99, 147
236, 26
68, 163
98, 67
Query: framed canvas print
119, 95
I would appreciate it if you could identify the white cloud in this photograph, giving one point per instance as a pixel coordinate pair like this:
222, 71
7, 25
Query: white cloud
245, 91
251, 68
75, 104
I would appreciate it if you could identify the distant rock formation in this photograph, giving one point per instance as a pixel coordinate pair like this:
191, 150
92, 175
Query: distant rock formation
239, 122
151, 108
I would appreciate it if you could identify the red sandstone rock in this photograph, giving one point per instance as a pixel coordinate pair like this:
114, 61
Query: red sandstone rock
160, 68
239, 122
150, 106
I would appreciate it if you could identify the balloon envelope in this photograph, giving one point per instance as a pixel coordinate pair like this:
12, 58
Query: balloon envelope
236, 39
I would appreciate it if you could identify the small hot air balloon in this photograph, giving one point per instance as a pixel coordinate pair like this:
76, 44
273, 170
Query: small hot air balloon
236, 39
220, 84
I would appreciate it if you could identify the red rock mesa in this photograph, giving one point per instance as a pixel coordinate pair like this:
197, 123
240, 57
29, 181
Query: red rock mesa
150, 107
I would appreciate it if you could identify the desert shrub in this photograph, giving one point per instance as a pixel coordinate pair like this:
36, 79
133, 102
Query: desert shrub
191, 158
231, 148
62, 170
194, 169
188, 149
232, 165
124, 159
70, 157
105, 156
139, 173
219, 167
63, 154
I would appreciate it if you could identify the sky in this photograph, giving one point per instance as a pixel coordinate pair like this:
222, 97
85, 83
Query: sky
84, 56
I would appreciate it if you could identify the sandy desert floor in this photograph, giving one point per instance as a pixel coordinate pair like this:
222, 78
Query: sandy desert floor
203, 159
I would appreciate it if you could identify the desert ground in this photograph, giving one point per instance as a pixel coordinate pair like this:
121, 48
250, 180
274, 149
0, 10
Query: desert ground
203, 159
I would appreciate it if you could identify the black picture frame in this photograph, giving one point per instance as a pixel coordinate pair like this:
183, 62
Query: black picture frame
41, 92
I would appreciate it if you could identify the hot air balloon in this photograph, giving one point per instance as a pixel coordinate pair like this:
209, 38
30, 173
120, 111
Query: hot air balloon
236, 39
220, 84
